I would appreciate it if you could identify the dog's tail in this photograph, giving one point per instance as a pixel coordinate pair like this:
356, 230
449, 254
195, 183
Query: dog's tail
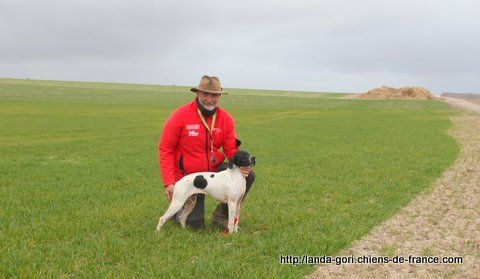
200, 182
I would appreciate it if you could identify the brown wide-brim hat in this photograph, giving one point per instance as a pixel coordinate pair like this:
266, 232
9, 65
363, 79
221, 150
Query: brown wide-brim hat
210, 85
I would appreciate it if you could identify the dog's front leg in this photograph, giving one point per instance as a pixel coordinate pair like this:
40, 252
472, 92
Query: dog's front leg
238, 205
237, 216
231, 216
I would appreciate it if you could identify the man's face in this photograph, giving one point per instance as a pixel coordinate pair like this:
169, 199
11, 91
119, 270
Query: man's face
208, 100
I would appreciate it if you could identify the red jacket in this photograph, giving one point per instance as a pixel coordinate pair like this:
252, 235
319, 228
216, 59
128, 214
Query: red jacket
185, 146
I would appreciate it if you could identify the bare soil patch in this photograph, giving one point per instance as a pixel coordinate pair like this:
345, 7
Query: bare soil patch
461, 104
472, 98
444, 221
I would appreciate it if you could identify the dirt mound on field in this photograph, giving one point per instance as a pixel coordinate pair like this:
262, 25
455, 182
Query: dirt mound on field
386, 92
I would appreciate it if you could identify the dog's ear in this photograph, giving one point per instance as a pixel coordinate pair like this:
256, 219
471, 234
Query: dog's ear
232, 160
238, 142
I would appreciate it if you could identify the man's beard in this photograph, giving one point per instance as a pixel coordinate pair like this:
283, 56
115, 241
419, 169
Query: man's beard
207, 106
204, 110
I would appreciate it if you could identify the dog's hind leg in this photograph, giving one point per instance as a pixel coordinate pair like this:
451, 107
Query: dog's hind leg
174, 207
189, 205
231, 216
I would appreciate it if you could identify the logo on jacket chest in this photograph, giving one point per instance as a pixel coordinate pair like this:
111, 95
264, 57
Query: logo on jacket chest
192, 133
192, 126
192, 129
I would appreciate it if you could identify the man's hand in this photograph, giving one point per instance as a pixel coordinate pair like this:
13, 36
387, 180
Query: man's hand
169, 192
245, 171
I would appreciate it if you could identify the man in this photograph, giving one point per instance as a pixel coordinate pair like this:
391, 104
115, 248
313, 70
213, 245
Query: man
197, 137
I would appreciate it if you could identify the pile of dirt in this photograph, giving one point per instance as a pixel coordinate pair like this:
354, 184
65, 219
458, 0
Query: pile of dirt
386, 92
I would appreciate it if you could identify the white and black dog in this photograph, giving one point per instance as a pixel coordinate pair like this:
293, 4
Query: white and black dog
227, 186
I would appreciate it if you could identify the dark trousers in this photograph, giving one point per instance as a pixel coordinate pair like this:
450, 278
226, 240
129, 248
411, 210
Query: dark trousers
196, 218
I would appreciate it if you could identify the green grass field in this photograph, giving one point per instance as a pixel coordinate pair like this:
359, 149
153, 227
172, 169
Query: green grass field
80, 189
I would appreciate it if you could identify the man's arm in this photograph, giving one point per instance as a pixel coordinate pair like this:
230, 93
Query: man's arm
166, 149
229, 141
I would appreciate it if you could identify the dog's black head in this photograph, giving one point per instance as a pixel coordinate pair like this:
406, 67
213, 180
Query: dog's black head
242, 159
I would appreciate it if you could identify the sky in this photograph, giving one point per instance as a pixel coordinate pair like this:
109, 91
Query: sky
323, 46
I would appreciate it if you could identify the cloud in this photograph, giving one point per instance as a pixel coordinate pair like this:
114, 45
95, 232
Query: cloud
302, 45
